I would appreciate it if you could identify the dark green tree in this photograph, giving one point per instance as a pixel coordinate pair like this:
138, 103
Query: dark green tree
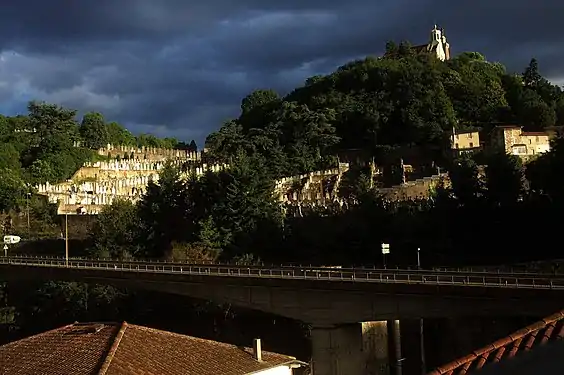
54, 127
505, 179
531, 75
93, 131
118, 135
164, 216
116, 231
465, 179
12, 189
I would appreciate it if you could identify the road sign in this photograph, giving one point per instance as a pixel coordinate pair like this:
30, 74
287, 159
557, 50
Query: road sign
385, 248
11, 239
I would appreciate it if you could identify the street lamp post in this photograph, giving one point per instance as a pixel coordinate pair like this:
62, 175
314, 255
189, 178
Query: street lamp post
66, 239
27, 196
421, 326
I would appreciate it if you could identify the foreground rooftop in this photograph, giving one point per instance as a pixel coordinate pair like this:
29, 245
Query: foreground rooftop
127, 349
535, 349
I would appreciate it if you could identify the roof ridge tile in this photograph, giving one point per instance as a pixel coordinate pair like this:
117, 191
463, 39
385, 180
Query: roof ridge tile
113, 349
515, 339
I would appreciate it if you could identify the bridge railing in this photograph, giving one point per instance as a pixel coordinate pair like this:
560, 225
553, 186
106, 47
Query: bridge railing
465, 270
296, 273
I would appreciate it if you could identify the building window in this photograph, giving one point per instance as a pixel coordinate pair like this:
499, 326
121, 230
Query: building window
530, 141
471, 145
469, 135
456, 145
537, 138
519, 150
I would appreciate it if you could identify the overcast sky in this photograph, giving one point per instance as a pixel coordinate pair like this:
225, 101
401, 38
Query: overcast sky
175, 69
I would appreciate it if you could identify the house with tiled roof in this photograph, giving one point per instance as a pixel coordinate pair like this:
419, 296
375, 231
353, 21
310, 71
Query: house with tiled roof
513, 140
534, 350
127, 349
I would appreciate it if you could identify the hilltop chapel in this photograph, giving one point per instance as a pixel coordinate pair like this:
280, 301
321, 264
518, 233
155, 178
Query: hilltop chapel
437, 45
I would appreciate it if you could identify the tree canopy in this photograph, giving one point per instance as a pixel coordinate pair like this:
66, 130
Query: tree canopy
491, 210
50, 145
400, 100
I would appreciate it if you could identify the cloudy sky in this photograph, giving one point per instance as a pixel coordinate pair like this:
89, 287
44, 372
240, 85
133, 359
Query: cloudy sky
172, 68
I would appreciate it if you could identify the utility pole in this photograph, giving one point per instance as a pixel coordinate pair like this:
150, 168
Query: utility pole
66, 239
27, 209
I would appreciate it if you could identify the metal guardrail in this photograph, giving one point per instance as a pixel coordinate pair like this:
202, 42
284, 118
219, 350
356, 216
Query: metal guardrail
296, 273
465, 270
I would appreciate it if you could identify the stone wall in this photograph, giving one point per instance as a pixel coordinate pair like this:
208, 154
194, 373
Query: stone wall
101, 183
321, 187
420, 188
311, 187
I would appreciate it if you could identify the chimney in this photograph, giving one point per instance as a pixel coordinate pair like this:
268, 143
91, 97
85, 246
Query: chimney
257, 350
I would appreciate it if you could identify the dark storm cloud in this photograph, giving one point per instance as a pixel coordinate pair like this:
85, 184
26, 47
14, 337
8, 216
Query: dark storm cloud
175, 68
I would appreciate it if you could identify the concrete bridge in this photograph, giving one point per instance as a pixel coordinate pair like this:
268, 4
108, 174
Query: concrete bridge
349, 309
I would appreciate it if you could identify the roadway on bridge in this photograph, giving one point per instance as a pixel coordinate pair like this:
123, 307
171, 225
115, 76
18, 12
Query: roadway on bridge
362, 275
443, 271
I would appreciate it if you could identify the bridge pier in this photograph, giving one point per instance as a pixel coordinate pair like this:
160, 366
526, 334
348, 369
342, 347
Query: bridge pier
367, 348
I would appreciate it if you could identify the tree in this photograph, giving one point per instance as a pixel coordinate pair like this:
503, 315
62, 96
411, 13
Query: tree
505, 178
477, 93
116, 231
227, 142
12, 189
118, 135
55, 127
41, 172
391, 48
559, 111
196, 252
93, 131
258, 99
531, 75
244, 210
465, 180
535, 113
355, 184
9, 157
164, 216
192, 146
543, 173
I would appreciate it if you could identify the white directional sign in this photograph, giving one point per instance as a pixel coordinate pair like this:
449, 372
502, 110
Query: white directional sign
11, 239
385, 248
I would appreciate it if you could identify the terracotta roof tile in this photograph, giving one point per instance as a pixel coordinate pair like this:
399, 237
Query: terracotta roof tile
508, 126
125, 349
73, 349
144, 351
535, 134
420, 48
550, 328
